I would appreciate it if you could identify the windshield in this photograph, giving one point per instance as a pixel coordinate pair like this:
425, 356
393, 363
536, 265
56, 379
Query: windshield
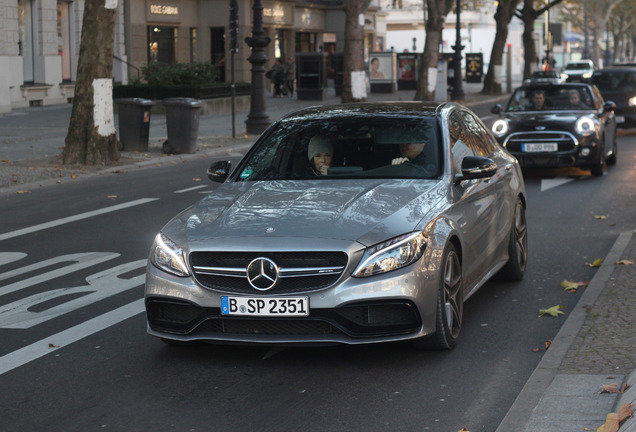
552, 98
346, 147
583, 65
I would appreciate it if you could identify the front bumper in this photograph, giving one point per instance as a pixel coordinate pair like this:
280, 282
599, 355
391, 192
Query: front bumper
398, 306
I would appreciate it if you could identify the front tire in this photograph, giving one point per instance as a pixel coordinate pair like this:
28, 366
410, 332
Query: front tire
450, 303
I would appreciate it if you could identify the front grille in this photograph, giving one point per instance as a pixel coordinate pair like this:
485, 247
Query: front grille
566, 142
299, 271
355, 321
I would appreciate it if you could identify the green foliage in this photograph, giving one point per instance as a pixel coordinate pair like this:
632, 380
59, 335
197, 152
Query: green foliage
179, 74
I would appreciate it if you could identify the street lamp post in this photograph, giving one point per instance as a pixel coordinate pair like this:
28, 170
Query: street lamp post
457, 93
257, 120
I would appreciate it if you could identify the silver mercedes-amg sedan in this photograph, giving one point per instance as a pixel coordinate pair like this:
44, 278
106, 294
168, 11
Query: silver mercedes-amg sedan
354, 224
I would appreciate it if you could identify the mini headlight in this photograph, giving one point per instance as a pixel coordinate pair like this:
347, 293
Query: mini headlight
587, 75
500, 128
168, 256
632, 101
584, 126
391, 255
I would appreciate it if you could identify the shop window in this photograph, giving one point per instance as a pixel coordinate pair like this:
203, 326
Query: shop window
162, 43
306, 42
217, 51
25, 41
64, 38
280, 44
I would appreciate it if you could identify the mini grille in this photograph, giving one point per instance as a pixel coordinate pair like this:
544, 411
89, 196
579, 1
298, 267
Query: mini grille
565, 141
228, 274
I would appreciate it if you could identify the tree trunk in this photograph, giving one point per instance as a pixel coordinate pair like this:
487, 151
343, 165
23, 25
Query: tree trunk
430, 58
528, 16
493, 79
91, 137
353, 47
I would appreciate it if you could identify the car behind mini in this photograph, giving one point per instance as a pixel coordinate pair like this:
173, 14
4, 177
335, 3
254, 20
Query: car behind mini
383, 248
618, 84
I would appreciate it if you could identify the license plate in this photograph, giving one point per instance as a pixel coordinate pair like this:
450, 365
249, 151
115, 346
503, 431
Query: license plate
540, 147
620, 119
265, 306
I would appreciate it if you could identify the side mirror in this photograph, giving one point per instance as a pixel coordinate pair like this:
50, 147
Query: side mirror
476, 167
496, 109
609, 106
219, 171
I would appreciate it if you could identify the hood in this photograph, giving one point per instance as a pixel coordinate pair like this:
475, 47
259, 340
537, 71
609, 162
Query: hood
529, 121
367, 211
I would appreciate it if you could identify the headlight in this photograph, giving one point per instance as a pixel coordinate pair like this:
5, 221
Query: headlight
587, 75
564, 76
500, 128
168, 256
391, 255
632, 101
584, 126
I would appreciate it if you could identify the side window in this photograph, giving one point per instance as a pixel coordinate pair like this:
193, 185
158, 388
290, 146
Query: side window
477, 139
460, 147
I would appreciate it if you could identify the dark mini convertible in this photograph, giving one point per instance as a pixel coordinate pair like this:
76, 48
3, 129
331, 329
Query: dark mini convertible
558, 125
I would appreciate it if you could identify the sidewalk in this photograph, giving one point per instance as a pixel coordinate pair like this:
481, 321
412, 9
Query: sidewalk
596, 345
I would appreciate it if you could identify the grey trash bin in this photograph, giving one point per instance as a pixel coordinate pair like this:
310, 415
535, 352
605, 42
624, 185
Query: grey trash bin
182, 118
134, 123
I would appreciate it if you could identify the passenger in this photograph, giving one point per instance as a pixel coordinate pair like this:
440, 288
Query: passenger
320, 152
538, 101
575, 100
412, 152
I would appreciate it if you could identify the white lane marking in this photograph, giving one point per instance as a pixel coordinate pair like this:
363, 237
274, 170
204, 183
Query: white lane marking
75, 218
24, 313
77, 262
552, 183
9, 257
487, 118
190, 189
41, 348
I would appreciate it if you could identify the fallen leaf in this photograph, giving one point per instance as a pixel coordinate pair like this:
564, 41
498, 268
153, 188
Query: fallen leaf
553, 311
547, 344
196, 179
119, 172
53, 346
612, 388
600, 217
73, 176
610, 425
536, 350
626, 411
464, 430
22, 192
571, 287
5, 160
596, 263
111, 196
624, 262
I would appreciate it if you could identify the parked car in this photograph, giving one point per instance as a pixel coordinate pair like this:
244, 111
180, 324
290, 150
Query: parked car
550, 76
558, 125
579, 71
618, 84
418, 208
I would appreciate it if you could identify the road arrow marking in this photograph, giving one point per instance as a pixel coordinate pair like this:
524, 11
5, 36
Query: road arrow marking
552, 183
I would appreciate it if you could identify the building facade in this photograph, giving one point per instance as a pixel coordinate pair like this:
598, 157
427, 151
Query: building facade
40, 40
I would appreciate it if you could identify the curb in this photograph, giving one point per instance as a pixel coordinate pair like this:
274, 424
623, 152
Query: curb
629, 397
521, 410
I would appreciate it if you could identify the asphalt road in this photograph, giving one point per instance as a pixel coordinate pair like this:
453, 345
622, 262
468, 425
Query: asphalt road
74, 355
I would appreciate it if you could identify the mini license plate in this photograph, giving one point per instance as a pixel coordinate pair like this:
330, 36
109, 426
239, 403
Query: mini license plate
265, 306
620, 119
539, 147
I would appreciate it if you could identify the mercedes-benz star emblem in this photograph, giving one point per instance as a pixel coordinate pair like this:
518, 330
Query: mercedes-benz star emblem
262, 273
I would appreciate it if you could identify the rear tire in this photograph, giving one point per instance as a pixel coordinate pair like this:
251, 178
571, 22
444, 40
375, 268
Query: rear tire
515, 268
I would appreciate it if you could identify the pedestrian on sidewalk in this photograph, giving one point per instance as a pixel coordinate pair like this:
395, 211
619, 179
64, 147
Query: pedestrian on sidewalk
277, 75
290, 75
